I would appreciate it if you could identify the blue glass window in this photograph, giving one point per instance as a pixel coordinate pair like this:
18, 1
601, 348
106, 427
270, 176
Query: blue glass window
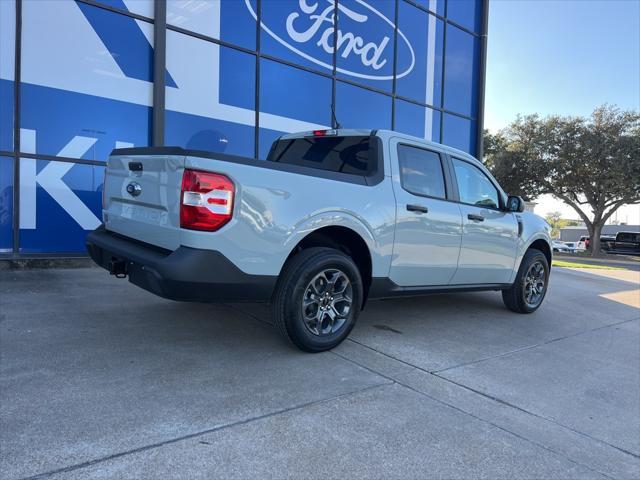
51, 228
365, 43
213, 106
80, 126
435, 6
7, 66
414, 119
267, 137
93, 102
140, 7
6, 204
461, 72
422, 82
466, 13
294, 93
229, 20
126, 40
361, 108
301, 37
459, 133
202, 133
237, 78
6, 115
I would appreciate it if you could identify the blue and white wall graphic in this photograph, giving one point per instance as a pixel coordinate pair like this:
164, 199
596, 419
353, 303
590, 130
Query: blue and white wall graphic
238, 74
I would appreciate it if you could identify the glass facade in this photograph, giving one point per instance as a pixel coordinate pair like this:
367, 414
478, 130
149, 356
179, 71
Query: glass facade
7, 72
6, 205
238, 73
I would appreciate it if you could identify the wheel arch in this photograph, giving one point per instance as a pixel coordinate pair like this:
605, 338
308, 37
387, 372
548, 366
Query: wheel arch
347, 241
542, 245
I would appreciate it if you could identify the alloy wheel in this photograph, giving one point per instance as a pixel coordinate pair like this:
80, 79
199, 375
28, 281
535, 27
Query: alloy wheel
327, 302
535, 282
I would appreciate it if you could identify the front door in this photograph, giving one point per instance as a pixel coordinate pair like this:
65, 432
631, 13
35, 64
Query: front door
428, 225
489, 234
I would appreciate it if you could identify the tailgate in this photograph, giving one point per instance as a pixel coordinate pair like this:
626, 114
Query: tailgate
142, 197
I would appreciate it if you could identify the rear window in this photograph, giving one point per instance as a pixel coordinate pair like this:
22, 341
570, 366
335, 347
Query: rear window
354, 155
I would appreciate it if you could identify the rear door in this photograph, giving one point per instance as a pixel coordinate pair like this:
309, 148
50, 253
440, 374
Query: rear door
428, 225
142, 197
489, 235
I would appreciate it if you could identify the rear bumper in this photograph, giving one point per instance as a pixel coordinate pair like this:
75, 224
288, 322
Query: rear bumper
186, 274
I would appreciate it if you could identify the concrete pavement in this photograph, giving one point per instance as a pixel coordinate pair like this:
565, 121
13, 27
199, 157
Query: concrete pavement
99, 379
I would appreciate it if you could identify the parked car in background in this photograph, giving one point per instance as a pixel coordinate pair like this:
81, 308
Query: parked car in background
606, 242
626, 243
622, 242
331, 218
583, 244
563, 247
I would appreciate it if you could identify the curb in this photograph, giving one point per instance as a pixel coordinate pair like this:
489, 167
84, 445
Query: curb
598, 260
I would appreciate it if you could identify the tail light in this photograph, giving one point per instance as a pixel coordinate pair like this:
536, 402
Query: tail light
324, 133
207, 200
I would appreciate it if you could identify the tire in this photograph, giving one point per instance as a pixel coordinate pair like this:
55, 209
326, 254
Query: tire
516, 297
298, 321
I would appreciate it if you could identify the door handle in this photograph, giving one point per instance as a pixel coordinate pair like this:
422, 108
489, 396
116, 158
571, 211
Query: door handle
417, 208
477, 218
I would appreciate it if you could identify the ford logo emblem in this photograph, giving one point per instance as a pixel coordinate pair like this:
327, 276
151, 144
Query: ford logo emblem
134, 189
308, 32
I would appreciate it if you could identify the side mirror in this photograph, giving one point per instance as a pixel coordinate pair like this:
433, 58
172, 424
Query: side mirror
515, 204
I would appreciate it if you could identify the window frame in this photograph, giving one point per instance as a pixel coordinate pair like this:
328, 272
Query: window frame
501, 200
445, 172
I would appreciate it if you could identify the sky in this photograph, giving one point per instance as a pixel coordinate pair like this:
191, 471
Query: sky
562, 57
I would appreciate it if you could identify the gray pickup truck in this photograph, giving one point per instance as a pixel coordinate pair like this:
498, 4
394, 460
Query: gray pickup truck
331, 218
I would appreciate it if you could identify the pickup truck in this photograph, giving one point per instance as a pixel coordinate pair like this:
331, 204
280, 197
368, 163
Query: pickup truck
626, 243
330, 219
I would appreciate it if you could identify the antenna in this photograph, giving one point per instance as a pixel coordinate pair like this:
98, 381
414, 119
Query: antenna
333, 117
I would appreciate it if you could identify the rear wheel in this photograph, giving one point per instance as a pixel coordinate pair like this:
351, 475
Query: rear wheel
317, 299
530, 287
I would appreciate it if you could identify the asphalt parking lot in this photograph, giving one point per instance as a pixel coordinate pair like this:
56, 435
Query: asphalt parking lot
102, 380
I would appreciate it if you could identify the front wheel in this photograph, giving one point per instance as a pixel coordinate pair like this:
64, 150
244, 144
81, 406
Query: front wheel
318, 298
530, 287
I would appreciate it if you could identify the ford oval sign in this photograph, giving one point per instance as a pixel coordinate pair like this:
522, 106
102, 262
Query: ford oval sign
308, 32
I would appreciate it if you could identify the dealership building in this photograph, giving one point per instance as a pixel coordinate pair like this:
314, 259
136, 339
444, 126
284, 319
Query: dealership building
79, 78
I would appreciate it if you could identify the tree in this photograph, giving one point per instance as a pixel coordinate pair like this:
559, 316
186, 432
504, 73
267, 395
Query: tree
592, 164
557, 223
555, 220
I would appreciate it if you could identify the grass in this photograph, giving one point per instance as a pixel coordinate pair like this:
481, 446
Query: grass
563, 263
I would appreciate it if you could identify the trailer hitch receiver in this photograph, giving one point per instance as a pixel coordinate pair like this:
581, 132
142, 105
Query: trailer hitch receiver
118, 268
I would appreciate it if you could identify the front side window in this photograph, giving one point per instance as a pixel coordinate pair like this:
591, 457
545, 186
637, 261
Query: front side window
421, 171
474, 186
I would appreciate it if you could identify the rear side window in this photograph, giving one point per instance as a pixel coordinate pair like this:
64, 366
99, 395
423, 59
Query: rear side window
355, 155
421, 171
